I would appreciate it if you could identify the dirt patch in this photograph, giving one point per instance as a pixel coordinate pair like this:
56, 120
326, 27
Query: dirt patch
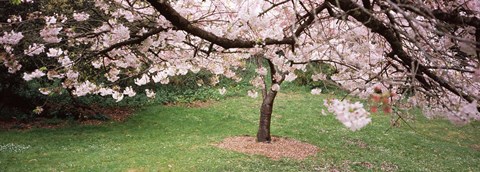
108, 114
387, 166
356, 142
277, 149
475, 147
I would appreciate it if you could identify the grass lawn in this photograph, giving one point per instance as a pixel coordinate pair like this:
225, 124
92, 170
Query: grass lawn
177, 138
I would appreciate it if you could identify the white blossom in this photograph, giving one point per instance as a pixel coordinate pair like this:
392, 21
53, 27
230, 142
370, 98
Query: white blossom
35, 74
252, 93
44, 91
105, 91
316, 91
38, 110
117, 96
143, 80
222, 91
150, 93
84, 88
129, 92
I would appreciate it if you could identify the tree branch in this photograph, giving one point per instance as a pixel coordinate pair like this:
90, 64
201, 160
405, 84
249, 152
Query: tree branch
136, 40
181, 23
377, 26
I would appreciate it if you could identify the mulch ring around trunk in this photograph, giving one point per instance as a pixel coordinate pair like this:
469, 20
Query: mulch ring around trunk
277, 149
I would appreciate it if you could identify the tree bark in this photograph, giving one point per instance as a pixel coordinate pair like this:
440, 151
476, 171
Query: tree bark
263, 134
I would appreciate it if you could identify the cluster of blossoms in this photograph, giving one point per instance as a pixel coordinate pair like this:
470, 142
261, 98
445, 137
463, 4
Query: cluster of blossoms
252, 93
82, 16
51, 31
11, 38
352, 115
316, 91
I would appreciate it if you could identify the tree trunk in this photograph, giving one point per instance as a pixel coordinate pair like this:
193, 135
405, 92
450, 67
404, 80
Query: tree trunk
263, 134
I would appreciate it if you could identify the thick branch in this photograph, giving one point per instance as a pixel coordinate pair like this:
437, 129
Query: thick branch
181, 23
310, 20
455, 18
377, 26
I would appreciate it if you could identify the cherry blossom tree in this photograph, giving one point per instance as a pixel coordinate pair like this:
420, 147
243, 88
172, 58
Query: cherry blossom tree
398, 53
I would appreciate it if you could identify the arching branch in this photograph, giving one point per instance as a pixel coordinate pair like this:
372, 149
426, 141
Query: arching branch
377, 26
183, 24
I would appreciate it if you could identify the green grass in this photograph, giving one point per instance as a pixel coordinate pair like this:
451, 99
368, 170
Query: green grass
159, 138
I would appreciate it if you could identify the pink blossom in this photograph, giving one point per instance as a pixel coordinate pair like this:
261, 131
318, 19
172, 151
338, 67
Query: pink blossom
112, 75
319, 76
11, 38
34, 49
84, 88
120, 33
81, 16
290, 77
49, 34
352, 115
470, 110
97, 64
261, 71
54, 52
278, 77
49, 20
65, 61
73, 75
476, 74
257, 82
218, 69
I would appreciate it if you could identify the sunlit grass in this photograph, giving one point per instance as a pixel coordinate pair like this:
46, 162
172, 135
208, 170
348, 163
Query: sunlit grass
178, 138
